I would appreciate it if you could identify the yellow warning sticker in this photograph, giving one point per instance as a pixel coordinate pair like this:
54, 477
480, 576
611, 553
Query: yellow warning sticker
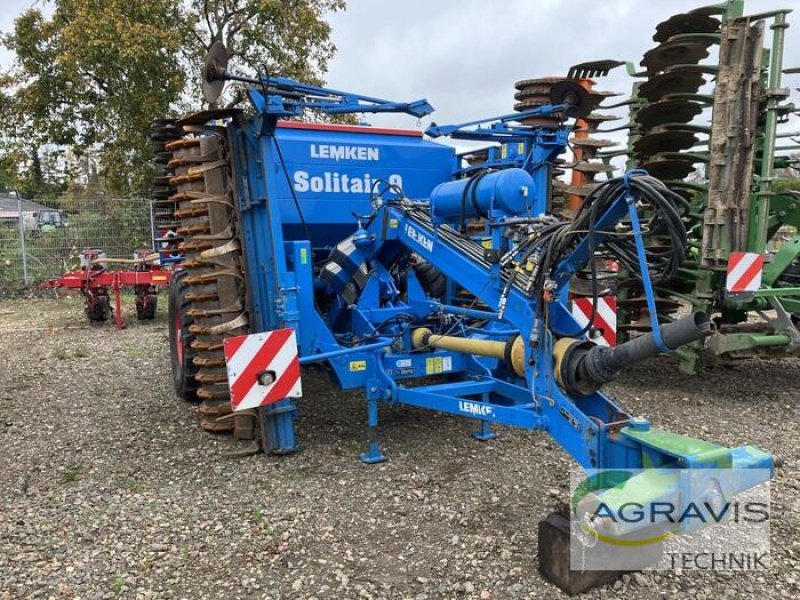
487, 243
393, 223
433, 365
358, 365
303, 256
438, 364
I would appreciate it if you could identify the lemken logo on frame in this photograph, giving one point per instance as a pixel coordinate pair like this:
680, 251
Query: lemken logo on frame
419, 237
337, 152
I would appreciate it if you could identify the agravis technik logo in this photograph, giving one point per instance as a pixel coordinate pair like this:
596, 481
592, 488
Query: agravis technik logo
668, 518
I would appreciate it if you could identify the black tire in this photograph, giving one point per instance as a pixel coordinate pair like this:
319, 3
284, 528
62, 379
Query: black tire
99, 310
148, 310
184, 371
791, 278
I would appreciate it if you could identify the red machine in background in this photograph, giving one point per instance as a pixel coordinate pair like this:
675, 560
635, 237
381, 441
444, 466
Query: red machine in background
96, 279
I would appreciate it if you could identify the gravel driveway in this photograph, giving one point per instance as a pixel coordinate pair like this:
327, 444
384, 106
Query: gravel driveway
110, 490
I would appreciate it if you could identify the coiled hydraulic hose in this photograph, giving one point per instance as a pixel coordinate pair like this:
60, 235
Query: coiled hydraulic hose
662, 208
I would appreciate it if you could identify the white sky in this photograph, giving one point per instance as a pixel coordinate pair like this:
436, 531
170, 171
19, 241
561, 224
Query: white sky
11, 9
465, 55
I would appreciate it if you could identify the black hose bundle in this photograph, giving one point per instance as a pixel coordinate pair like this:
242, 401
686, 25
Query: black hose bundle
662, 211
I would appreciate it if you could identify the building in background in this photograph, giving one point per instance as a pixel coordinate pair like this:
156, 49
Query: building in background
36, 218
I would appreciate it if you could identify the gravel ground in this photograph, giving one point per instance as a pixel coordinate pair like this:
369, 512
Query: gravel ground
110, 490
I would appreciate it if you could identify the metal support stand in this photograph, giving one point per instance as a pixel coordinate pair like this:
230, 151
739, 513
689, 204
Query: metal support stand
373, 455
485, 433
25, 280
117, 303
277, 428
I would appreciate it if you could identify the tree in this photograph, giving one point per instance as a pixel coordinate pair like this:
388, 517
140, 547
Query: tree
31, 181
290, 37
95, 74
7, 175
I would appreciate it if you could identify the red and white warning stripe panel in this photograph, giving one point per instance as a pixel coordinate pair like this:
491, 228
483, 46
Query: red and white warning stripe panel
605, 320
263, 368
745, 270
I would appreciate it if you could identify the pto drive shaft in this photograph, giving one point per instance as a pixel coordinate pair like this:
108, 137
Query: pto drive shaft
512, 351
582, 367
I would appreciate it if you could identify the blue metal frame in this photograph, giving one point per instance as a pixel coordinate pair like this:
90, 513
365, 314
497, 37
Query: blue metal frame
301, 97
531, 149
366, 343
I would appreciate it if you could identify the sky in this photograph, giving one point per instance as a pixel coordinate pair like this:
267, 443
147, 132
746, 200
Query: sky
10, 11
465, 55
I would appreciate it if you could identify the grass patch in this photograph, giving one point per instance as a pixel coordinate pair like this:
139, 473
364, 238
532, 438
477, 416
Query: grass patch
132, 485
71, 474
61, 353
134, 352
117, 584
302, 474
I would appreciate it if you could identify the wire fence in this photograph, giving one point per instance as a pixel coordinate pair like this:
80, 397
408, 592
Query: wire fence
38, 242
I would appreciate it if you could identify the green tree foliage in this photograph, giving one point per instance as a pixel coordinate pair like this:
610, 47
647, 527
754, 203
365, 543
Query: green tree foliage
7, 173
290, 37
31, 182
32, 173
93, 74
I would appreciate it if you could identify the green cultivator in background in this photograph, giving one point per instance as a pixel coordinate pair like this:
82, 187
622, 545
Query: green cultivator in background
743, 226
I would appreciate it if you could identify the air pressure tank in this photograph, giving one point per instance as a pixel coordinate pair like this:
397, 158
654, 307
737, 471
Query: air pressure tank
509, 191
